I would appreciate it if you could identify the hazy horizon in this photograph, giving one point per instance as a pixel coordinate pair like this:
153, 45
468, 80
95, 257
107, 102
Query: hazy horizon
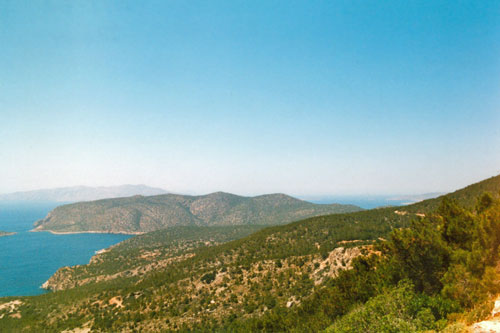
309, 197
327, 98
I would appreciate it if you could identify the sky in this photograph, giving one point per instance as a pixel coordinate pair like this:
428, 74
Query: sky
250, 97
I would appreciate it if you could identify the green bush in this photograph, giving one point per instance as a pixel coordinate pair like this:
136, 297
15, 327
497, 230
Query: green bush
400, 309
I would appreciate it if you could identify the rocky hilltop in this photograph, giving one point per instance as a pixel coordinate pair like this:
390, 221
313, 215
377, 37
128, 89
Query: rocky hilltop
140, 214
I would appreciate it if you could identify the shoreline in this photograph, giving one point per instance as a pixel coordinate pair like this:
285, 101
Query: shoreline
7, 234
88, 232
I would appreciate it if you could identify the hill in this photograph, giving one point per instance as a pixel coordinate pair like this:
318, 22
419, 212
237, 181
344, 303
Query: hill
142, 254
81, 193
363, 271
140, 214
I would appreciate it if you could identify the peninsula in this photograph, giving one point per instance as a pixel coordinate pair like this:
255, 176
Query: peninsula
139, 214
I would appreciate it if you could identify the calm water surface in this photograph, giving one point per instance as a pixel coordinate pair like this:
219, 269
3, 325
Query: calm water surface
366, 202
28, 259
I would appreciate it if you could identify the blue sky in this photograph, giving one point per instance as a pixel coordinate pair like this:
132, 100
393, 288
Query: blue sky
302, 97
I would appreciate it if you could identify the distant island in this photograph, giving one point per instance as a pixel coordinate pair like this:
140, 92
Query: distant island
139, 214
5, 233
82, 193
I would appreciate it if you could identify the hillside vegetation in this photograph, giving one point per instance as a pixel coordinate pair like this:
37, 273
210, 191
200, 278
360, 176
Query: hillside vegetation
144, 214
142, 254
383, 270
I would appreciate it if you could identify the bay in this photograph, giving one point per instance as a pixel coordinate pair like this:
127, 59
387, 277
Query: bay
28, 259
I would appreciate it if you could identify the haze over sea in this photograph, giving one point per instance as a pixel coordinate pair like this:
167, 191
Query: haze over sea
28, 259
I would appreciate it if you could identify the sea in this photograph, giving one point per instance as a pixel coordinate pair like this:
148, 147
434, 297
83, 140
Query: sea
366, 202
28, 259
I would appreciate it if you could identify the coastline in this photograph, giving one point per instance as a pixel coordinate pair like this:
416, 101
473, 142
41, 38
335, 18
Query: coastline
88, 232
47, 285
7, 234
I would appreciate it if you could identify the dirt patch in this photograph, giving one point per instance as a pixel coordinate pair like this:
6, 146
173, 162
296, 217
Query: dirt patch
117, 301
350, 241
490, 325
12, 305
84, 329
486, 326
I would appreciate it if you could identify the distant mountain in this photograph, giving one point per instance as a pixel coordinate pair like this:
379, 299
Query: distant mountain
82, 193
140, 214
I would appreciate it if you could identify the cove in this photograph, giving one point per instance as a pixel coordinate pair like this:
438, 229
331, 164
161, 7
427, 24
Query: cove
28, 259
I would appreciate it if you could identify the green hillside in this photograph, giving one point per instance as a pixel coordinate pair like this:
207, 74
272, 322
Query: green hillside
144, 253
140, 214
363, 271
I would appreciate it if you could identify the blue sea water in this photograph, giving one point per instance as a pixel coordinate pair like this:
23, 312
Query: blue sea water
28, 259
366, 202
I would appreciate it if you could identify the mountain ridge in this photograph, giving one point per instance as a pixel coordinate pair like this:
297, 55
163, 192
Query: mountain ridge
81, 193
148, 213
